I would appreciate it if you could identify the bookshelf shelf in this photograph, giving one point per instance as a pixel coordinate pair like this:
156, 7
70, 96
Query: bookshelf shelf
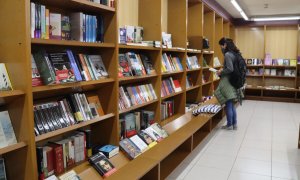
173, 50
171, 95
137, 106
283, 77
13, 147
205, 68
254, 75
193, 87
193, 52
72, 128
207, 83
193, 70
208, 52
170, 119
254, 88
255, 66
71, 43
136, 78
217, 67
287, 90
8, 94
79, 5
70, 85
171, 73
281, 67
216, 80
122, 46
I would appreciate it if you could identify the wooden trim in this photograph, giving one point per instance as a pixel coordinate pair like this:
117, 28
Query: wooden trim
171, 95
71, 43
137, 106
13, 147
171, 73
4, 94
136, 78
192, 88
72, 128
122, 46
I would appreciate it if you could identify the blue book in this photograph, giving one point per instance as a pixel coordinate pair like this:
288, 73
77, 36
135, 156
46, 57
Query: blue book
74, 65
94, 28
84, 28
109, 150
136, 95
87, 26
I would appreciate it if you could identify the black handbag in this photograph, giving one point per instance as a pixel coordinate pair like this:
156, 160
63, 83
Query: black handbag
205, 43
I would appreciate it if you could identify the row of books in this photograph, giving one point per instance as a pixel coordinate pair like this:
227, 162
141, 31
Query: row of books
64, 67
259, 71
170, 86
5, 83
131, 34
280, 72
110, 3
133, 95
133, 64
279, 62
274, 87
170, 64
78, 26
137, 144
192, 63
55, 157
189, 82
254, 61
166, 109
133, 122
73, 109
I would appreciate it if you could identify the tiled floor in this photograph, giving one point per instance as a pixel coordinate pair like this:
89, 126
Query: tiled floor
263, 148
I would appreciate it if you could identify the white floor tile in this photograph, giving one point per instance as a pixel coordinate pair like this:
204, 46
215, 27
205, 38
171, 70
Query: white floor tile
291, 157
275, 178
225, 150
247, 176
252, 166
216, 161
206, 173
284, 146
256, 154
285, 171
255, 144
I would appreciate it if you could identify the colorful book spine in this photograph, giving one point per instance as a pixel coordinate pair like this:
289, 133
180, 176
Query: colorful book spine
74, 65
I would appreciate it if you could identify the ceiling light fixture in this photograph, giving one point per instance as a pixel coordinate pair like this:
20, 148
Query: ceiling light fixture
240, 10
277, 18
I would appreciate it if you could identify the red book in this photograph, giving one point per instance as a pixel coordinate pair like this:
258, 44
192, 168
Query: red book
177, 85
49, 159
58, 158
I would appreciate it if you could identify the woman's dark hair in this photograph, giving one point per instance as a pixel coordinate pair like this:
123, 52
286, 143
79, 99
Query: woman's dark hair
230, 46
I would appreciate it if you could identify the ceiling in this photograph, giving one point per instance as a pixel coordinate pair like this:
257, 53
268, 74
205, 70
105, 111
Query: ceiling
254, 8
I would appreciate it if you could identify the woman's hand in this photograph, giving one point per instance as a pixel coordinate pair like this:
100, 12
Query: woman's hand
219, 72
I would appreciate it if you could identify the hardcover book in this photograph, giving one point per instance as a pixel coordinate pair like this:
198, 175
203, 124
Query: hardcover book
98, 66
94, 99
103, 166
55, 26
129, 148
109, 150
71, 175
45, 68
35, 75
122, 37
5, 84
130, 124
147, 64
124, 65
153, 134
163, 133
139, 33
65, 28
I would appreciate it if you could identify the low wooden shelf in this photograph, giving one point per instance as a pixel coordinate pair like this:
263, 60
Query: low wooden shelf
137, 106
254, 75
12, 93
173, 50
13, 147
171, 95
136, 78
72, 127
71, 43
255, 66
281, 67
170, 119
193, 70
286, 77
193, 87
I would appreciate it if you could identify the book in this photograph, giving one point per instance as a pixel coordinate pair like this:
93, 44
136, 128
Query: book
6, 131
161, 132
94, 99
44, 67
129, 148
138, 34
102, 165
130, 124
147, 139
52, 177
129, 34
147, 64
122, 35
77, 28
62, 67
71, 175
97, 66
74, 65
2, 169
139, 143
109, 150
5, 83
167, 40
153, 134
124, 65
35, 75
65, 28
55, 26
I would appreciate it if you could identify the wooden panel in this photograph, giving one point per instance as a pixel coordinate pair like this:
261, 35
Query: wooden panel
195, 25
281, 42
232, 33
218, 36
128, 12
164, 17
250, 41
209, 28
226, 29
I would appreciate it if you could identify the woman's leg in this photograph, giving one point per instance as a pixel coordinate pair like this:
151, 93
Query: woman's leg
234, 117
229, 113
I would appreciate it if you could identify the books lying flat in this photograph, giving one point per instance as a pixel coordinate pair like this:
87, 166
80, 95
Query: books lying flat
139, 143
71, 175
109, 150
147, 139
102, 165
153, 134
160, 131
130, 148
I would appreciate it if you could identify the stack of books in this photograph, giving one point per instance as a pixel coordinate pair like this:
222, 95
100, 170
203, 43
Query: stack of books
131, 35
170, 86
170, 64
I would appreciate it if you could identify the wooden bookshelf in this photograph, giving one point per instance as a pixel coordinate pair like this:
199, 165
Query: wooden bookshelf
137, 106
171, 95
287, 77
72, 127
193, 70
12, 148
280, 67
122, 80
121, 46
165, 74
193, 87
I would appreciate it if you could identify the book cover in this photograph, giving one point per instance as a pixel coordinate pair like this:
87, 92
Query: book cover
163, 133
130, 124
293, 62
129, 34
7, 128
58, 158
147, 139
5, 83
134, 63
32, 19
55, 26
43, 22
62, 67
89, 67
45, 68
71, 175
147, 64
177, 85
139, 143
124, 65
98, 66
122, 35
153, 134
138, 34
129, 148
100, 29
85, 69
74, 65
48, 161
102, 165
109, 150
47, 24
77, 27
65, 28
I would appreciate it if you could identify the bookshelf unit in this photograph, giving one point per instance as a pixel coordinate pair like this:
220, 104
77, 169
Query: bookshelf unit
280, 42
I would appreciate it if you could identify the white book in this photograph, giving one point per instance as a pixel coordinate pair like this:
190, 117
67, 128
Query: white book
55, 23
32, 10
76, 21
7, 128
129, 34
153, 134
139, 143
5, 83
71, 175
163, 133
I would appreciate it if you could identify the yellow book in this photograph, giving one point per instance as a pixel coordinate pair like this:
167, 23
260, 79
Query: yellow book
293, 62
148, 92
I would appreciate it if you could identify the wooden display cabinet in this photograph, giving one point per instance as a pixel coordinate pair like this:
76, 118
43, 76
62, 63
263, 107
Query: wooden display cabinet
209, 27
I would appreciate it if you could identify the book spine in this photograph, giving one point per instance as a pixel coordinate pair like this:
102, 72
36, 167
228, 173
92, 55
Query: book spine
47, 36
86, 58
84, 67
43, 22
33, 17
74, 65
